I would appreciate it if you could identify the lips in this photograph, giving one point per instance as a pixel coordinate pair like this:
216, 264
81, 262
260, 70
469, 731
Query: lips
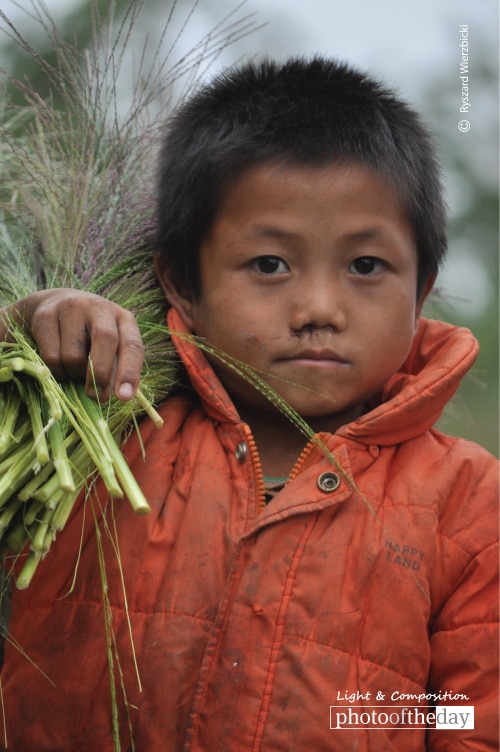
325, 356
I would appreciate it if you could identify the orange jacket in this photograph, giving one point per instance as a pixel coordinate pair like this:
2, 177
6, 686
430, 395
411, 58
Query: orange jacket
254, 627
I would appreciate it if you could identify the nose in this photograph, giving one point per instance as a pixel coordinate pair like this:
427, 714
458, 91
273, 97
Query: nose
320, 303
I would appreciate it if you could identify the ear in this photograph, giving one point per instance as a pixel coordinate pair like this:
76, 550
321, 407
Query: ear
181, 301
423, 295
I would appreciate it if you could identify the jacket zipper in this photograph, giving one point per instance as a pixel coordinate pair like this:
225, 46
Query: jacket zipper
257, 472
306, 453
299, 463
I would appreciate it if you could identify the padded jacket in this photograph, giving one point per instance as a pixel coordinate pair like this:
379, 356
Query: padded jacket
307, 624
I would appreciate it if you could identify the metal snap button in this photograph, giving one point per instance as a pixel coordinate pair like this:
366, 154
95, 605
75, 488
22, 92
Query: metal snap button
241, 451
328, 482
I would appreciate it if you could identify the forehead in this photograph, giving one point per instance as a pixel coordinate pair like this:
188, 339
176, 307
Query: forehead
338, 196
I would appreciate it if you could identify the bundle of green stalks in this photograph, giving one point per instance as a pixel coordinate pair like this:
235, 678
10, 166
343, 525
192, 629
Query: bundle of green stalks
77, 209
53, 438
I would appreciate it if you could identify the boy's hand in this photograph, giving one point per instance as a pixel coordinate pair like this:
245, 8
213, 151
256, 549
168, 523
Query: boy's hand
69, 326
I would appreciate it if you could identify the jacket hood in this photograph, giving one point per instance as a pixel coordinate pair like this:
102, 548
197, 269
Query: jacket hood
410, 403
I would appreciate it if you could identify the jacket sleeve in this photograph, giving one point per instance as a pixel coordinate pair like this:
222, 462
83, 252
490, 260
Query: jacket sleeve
464, 636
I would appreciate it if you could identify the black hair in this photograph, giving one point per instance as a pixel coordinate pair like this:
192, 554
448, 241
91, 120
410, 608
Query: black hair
303, 112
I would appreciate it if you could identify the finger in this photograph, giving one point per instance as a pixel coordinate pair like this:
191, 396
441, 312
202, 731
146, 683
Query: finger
104, 339
130, 357
74, 344
46, 333
57, 324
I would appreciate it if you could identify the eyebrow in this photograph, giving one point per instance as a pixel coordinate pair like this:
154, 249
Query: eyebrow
370, 234
269, 231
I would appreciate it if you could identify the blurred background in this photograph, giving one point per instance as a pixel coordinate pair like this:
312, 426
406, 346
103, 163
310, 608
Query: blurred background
414, 48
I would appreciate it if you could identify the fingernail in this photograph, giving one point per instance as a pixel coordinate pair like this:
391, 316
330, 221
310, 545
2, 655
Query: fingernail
125, 391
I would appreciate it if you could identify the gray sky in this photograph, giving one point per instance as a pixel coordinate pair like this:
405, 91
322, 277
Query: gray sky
405, 43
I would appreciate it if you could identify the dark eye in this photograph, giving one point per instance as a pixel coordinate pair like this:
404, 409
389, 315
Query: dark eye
366, 265
270, 265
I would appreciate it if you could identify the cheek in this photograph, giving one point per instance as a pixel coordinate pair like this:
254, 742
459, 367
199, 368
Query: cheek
222, 325
401, 343
394, 331
401, 314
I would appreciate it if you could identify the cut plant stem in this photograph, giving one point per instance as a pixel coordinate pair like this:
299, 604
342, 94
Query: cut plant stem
149, 409
18, 451
10, 442
8, 513
26, 574
10, 413
127, 480
38, 542
35, 413
5, 374
62, 512
17, 537
29, 489
31, 512
36, 370
60, 457
48, 490
86, 428
20, 471
53, 501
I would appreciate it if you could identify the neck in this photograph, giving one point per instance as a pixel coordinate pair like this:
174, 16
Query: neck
279, 441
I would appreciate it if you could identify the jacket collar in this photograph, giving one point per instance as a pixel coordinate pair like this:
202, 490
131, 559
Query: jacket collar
409, 404
215, 400
413, 399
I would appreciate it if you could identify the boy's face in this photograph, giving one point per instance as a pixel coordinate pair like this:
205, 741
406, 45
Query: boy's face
309, 275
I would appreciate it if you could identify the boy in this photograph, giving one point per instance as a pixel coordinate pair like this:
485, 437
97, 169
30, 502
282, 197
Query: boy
301, 226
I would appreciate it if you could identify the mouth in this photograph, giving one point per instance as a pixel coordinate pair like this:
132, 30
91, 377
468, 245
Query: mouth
325, 358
